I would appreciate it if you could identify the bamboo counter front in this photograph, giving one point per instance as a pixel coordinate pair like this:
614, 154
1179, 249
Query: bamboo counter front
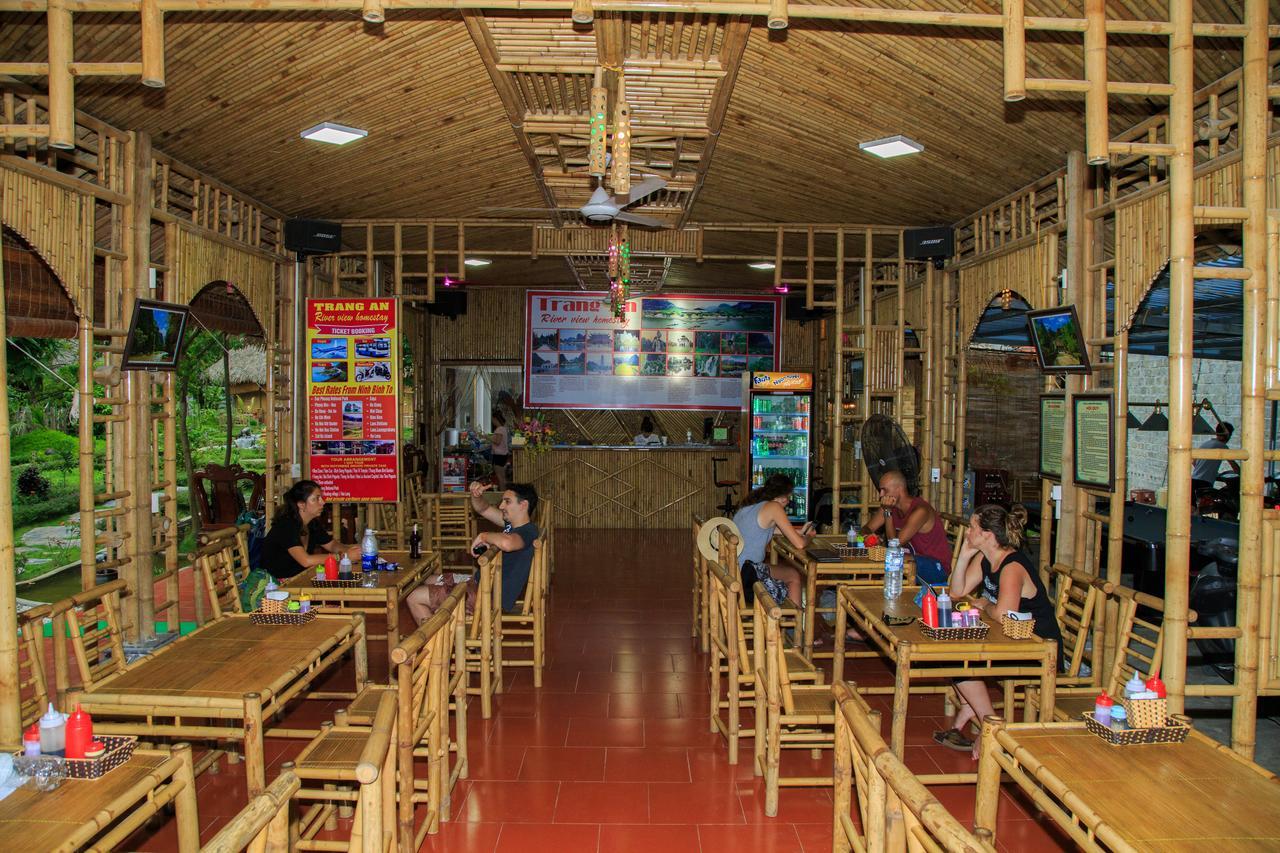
631, 487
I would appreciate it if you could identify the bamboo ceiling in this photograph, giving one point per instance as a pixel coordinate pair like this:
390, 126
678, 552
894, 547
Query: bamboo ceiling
474, 110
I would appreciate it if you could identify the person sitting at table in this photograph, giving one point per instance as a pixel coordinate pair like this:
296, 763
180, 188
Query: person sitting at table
913, 522
647, 437
297, 541
515, 541
764, 511
992, 558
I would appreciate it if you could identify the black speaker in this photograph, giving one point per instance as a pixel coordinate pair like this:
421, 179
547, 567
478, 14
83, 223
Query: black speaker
449, 304
312, 236
795, 310
929, 244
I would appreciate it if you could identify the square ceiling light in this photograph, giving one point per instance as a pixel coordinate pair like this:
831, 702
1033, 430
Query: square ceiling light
334, 134
891, 146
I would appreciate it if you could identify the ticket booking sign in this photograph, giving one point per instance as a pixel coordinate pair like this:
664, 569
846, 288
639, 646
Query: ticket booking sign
353, 385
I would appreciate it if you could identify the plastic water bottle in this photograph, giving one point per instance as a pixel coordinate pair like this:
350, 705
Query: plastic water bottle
894, 557
369, 551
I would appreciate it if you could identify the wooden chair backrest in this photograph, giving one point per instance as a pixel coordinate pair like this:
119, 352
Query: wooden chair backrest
33, 688
898, 812
770, 652
1139, 642
727, 632
223, 563
452, 522
488, 593
421, 663
1075, 602
217, 493
261, 825
96, 625
391, 528
535, 591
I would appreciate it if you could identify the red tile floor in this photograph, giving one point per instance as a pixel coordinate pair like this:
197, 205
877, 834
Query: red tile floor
614, 752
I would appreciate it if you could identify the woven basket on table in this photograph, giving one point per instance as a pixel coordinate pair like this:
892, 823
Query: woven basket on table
975, 632
1174, 730
270, 605
1146, 713
876, 553
259, 617
849, 552
1017, 629
356, 579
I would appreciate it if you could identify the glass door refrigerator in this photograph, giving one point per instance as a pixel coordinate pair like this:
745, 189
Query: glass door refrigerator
781, 421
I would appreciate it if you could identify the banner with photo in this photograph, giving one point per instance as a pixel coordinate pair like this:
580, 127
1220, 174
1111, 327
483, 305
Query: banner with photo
353, 394
669, 351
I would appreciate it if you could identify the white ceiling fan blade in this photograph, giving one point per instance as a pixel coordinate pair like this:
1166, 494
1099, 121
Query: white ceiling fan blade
648, 186
637, 219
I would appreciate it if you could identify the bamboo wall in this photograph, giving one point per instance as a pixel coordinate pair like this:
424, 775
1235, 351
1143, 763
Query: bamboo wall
1030, 271
196, 259
56, 223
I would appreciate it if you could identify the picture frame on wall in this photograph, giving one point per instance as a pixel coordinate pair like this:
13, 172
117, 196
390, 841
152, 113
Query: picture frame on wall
1093, 441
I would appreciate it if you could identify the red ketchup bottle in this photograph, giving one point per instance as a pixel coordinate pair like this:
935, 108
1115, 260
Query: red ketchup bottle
79, 733
1156, 686
330, 568
929, 608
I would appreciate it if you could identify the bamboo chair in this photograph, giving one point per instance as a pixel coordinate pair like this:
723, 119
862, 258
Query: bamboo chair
392, 526
484, 634
223, 562
261, 825
1075, 603
731, 658
1138, 646
353, 757
453, 524
701, 596
787, 715
96, 626
526, 628
896, 811
33, 688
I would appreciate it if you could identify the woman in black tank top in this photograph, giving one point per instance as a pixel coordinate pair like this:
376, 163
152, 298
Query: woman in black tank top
1001, 578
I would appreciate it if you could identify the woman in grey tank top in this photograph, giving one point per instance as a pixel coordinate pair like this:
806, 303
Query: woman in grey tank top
764, 511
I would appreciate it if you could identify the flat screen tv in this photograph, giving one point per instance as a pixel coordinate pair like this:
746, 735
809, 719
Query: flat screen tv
155, 335
1059, 342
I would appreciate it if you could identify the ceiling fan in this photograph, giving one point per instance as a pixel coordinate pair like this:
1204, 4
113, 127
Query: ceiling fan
603, 207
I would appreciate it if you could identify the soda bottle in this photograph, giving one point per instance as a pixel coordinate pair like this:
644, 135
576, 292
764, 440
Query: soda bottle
369, 551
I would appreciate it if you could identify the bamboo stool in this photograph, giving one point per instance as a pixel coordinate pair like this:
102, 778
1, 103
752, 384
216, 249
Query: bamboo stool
484, 634
896, 811
787, 716
97, 629
351, 757
526, 628
1138, 647
261, 825
731, 657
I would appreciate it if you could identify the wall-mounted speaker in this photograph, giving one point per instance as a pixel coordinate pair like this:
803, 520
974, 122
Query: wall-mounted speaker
929, 244
312, 236
449, 304
795, 310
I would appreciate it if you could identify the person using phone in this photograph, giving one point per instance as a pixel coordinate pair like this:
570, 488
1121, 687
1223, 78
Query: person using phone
764, 511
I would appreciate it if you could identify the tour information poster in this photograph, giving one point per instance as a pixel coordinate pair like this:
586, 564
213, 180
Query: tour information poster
668, 351
353, 371
1091, 434
1053, 422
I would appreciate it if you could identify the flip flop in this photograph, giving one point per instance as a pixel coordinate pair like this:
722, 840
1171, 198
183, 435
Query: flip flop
953, 739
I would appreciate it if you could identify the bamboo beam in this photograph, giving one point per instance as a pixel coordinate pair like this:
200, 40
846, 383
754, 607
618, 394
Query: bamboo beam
152, 69
1097, 132
62, 102
1015, 51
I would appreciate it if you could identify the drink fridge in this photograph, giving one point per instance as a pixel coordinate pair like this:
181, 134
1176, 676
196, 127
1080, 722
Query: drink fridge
781, 406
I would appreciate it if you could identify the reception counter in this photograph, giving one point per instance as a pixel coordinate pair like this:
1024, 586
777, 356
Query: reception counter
629, 487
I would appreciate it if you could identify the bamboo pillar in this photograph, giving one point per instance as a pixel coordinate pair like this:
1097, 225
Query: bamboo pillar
1073, 501
1181, 317
62, 103
138, 435
1115, 530
10, 709
1015, 51
1254, 121
1097, 132
932, 382
152, 43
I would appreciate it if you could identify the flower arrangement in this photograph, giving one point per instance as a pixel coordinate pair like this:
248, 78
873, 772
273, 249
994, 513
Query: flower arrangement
537, 434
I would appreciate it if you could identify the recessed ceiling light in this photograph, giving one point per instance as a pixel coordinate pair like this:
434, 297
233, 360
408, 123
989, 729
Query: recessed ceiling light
762, 265
891, 146
477, 262
335, 134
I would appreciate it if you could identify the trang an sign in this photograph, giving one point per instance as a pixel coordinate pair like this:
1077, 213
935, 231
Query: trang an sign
668, 351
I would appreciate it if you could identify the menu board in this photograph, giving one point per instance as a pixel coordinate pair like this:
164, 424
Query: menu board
1053, 420
353, 393
1091, 431
672, 351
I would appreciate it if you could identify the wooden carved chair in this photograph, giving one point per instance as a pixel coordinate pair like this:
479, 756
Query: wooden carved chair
218, 494
96, 625
526, 628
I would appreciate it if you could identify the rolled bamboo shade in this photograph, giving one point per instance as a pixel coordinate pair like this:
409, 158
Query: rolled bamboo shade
56, 223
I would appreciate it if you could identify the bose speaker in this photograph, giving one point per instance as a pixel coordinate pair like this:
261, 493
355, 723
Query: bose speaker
449, 304
795, 310
312, 236
929, 244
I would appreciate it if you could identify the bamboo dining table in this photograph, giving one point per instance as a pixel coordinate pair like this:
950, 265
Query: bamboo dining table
385, 598
230, 671
1195, 795
854, 571
916, 657
102, 813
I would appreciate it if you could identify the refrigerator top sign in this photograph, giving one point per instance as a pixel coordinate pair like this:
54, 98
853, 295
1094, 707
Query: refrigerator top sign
782, 381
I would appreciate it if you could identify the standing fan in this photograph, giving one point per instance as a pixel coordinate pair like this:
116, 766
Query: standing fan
885, 448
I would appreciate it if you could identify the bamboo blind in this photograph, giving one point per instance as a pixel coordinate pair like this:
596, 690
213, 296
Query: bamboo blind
195, 260
1030, 271
56, 223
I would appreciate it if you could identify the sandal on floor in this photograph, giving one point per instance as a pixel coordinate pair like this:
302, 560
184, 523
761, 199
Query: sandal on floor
953, 739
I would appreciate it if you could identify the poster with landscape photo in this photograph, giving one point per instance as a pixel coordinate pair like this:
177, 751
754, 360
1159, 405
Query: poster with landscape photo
668, 351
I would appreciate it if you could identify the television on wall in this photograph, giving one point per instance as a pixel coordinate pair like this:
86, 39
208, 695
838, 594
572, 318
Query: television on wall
1059, 341
155, 335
